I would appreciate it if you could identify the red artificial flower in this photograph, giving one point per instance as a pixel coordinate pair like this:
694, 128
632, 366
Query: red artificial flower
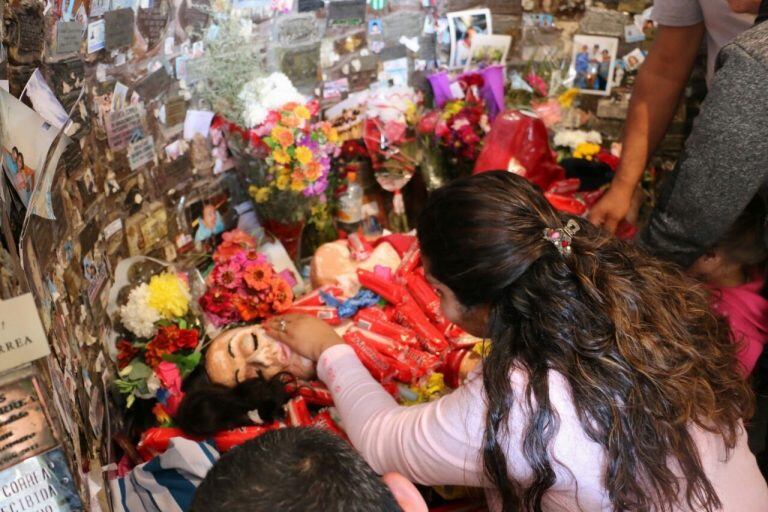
352, 149
251, 308
168, 340
473, 79
314, 107
273, 117
428, 123
608, 158
218, 301
257, 275
125, 353
441, 129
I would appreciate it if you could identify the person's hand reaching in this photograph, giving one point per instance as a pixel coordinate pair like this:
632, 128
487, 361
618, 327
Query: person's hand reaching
612, 208
307, 335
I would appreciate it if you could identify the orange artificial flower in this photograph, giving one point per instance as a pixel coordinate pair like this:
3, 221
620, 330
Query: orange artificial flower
282, 295
291, 121
282, 135
258, 275
313, 171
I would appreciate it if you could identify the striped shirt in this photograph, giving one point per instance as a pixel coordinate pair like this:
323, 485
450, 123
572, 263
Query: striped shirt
167, 483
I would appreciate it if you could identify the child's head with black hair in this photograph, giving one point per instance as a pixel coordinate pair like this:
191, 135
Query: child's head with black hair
740, 253
297, 470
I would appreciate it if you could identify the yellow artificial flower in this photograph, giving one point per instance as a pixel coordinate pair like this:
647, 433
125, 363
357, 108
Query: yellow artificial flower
303, 112
281, 156
282, 182
586, 150
260, 195
410, 113
566, 99
433, 388
297, 185
483, 348
169, 295
303, 155
452, 108
333, 136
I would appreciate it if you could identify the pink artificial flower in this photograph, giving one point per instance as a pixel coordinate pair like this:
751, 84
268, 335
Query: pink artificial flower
395, 132
170, 377
229, 275
538, 84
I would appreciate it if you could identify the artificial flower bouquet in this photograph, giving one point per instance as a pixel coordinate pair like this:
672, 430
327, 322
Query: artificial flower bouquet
297, 154
243, 286
460, 125
160, 344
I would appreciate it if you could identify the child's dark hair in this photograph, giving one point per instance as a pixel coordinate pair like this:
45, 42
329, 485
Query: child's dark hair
292, 470
745, 242
208, 408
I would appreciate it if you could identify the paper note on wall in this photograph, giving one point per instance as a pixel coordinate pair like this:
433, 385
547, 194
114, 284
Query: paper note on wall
22, 338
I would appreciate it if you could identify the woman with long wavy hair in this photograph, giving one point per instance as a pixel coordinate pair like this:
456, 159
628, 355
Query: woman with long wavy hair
609, 384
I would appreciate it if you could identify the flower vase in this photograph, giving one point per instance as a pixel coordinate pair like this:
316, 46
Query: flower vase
289, 234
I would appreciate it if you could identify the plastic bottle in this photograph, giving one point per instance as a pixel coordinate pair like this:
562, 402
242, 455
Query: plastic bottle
350, 205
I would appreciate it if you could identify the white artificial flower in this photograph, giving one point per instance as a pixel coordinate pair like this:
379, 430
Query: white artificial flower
572, 138
267, 93
137, 315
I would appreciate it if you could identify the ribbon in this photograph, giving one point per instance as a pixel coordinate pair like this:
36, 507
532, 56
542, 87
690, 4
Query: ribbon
349, 307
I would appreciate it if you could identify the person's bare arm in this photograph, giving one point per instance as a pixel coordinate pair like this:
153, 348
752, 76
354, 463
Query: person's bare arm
655, 97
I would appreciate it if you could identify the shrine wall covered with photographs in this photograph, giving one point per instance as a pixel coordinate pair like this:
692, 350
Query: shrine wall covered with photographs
108, 150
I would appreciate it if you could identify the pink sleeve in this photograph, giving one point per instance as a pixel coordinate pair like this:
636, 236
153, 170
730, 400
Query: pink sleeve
438, 443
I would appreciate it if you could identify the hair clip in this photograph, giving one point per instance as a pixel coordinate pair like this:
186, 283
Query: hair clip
561, 238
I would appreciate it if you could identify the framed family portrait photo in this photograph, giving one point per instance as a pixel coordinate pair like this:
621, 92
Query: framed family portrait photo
463, 27
592, 63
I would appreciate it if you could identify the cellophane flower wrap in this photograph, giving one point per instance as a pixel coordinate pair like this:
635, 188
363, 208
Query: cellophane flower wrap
243, 286
389, 130
160, 345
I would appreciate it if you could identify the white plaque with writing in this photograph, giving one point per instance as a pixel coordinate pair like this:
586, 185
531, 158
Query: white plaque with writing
22, 338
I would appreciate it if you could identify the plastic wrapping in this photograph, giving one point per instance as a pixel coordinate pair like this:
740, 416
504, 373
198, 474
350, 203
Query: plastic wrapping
519, 142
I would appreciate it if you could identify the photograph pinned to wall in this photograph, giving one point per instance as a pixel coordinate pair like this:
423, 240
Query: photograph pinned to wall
26, 139
375, 27
208, 220
96, 35
489, 50
539, 20
223, 160
634, 59
463, 26
593, 61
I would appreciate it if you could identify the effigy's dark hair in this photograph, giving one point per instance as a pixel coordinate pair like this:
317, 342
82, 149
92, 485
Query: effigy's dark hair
645, 358
293, 470
208, 408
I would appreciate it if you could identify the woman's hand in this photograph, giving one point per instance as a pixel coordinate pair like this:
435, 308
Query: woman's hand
307, 335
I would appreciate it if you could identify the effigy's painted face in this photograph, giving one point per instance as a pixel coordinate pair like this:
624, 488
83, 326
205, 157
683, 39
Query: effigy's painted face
248, 352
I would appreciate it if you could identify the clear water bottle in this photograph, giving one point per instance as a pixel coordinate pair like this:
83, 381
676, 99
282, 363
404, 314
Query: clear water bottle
350, 212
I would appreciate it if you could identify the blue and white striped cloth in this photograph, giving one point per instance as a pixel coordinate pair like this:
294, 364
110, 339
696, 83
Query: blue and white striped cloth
166, 483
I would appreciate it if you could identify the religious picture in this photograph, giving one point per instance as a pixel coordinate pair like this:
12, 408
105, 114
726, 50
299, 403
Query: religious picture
592, 63
634, 59
463, 27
